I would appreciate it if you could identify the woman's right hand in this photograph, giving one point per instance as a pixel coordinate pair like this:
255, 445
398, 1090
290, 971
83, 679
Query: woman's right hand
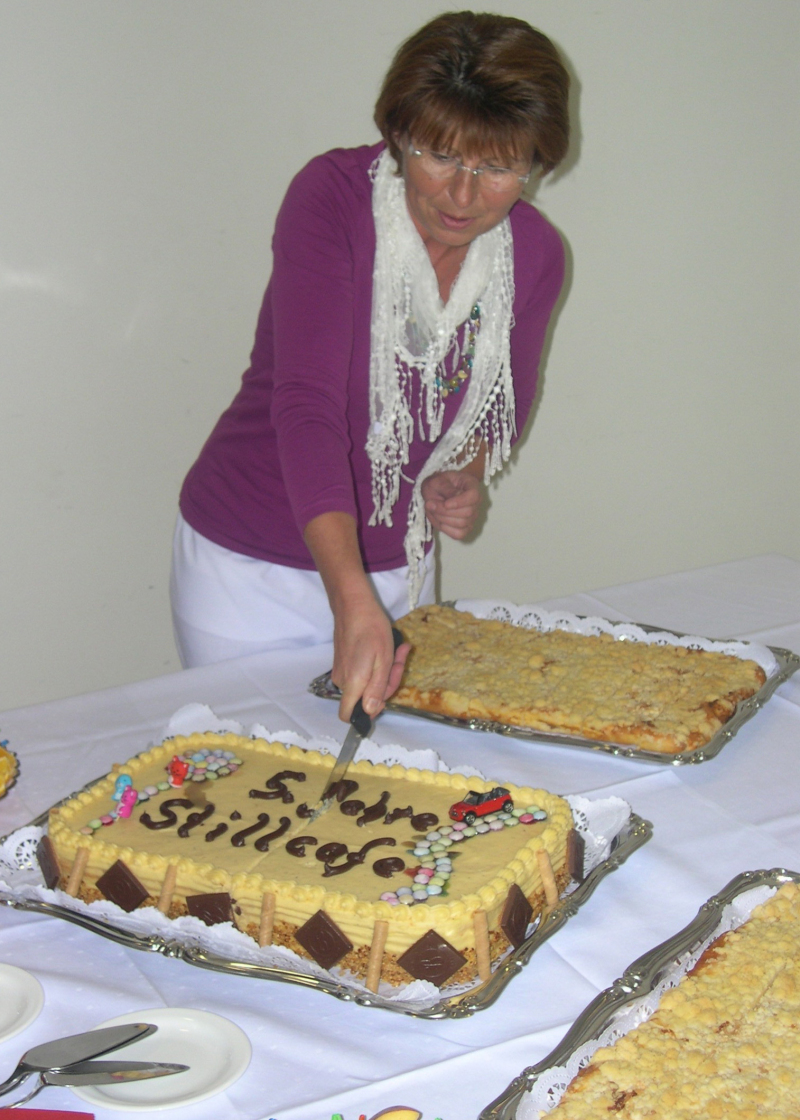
366, 665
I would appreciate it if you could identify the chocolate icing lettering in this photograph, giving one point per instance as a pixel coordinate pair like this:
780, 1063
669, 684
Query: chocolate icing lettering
374, 811
389, 866
397, 814
353, 858
165, 808
342, 789
194, 819
297, 845
277, 788
424, 822
218, 831
330, 851
303, 811
262, 844
239, 838
351, 808
370, 844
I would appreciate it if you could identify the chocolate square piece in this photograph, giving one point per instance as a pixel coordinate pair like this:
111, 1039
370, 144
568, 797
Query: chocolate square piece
431, 958
576, 847
321, 937
516, 916
48, 861
120, 885
213, 909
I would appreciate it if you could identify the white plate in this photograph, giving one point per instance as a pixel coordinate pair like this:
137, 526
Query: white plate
215, 1049
21, 1000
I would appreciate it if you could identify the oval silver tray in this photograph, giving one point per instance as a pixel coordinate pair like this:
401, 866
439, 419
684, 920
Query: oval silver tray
636, 833
636, 982
788, 664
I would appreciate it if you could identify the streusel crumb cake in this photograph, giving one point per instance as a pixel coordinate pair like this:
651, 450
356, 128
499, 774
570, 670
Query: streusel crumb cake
724, 1043
659, 698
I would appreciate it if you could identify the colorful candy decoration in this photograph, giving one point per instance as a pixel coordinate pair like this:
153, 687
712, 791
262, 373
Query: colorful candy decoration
127, 801
200, 766
121, 784
435, 853
396, 1112
178, 770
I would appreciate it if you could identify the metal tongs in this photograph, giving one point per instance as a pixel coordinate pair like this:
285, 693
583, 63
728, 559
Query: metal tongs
66, 1061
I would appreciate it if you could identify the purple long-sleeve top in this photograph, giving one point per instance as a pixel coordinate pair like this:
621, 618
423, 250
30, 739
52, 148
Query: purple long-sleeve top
292, 444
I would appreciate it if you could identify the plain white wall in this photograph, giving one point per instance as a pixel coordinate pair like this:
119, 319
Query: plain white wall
144, 150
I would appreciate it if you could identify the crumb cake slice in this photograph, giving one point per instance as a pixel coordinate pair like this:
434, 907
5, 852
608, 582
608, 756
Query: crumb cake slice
410, 873
724, 1044
657, 697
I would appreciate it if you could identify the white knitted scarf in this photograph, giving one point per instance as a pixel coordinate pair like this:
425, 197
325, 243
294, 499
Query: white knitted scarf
413, 333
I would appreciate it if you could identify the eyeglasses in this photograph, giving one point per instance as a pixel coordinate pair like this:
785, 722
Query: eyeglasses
441, 166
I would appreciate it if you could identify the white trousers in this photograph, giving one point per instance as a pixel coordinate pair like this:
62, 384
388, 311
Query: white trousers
225, 604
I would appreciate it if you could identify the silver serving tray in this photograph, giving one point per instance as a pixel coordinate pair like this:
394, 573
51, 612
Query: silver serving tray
788, 663
636, 833
637, 981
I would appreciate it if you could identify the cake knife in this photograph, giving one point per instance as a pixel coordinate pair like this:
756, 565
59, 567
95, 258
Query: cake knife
361, 725
64, 1052
100, 1073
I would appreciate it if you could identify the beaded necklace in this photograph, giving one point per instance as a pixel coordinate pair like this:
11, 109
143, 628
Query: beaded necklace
448, 385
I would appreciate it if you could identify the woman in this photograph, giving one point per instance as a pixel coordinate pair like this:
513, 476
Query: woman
395, 361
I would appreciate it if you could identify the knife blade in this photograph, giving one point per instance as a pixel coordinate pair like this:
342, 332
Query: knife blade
108, 1073
361, 726
74, 1048
99, 1073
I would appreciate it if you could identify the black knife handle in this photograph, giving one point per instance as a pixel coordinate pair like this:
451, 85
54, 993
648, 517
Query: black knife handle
359, 718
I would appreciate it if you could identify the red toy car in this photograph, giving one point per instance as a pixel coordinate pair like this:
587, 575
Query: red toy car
477, 805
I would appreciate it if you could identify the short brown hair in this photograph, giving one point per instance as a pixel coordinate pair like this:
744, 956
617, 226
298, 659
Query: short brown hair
494, 81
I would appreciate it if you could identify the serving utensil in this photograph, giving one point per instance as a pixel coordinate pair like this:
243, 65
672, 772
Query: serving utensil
100, 1073
361, 726
61, 1052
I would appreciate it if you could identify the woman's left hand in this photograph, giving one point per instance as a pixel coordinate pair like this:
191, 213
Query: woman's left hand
452, 502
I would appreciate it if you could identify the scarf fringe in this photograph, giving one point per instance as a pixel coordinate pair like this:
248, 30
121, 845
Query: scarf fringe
413, 333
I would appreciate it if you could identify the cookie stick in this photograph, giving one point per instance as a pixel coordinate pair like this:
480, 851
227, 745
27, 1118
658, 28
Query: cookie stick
267, 919
76, 874
548, 878
168, 888
480, 925
380, 932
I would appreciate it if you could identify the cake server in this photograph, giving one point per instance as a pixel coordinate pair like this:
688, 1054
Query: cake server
361, 726
74, 1048
100, 1073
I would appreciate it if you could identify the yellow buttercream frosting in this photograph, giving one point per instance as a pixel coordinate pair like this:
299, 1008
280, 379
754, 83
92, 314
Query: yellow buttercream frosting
484, 866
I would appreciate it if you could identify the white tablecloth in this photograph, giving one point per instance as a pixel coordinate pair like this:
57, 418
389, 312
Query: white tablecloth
314, 1055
